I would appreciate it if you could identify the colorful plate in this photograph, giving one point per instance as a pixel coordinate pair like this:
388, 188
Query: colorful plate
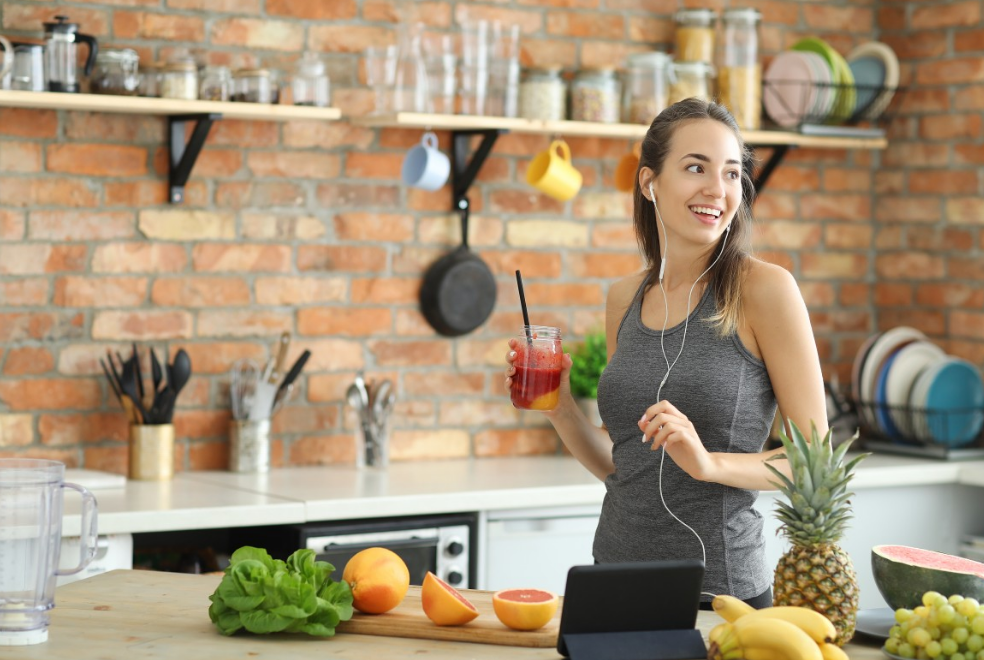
909, 362
952, 393
882, 53
789, 93
842, 79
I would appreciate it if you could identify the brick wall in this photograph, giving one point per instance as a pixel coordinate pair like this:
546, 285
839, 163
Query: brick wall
304, 227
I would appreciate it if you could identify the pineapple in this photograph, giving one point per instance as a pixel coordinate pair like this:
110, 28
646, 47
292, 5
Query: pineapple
815, 572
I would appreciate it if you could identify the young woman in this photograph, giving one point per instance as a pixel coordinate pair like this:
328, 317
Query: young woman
702, 345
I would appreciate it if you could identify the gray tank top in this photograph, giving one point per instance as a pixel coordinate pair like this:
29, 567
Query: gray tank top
726, 393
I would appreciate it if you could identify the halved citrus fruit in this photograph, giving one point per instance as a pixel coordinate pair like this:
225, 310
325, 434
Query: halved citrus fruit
443, 604
524, 609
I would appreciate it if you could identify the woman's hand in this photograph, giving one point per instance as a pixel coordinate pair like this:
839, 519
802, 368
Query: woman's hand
565, 375
667, 427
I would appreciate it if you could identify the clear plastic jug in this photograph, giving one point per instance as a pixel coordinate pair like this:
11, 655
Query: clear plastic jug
30, 542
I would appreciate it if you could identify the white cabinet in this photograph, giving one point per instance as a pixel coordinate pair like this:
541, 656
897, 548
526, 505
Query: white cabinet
535, 547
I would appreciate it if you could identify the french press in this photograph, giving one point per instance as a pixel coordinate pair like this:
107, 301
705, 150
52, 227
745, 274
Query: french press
61, 39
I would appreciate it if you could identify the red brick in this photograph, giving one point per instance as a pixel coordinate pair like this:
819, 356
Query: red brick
476, 412
510, 322
299, 290
605, 265
75, 428
303, 418
346, 259
380, 290
209, 455
144, 325
907, 209
952, 71
411, 323
836, 207
410, 353
61, 191
146, 25
522, 442
333, 355
201, 424
200, 292
80, 225
845, 180
523, 201
80, 291
552, 295
613, 236
242, 323
968, 154
446, 230
24, 157
129, 129
373, 165
789, 235
211, 163
443, 383
347, 38
97, 159
24, 293
948, 182
138, 258
889, 294
373, 227
261, 194
409, 445
950, 127
12, 225
319, 10
218, 357
28, 361
909, 266
651, 29
435, 14
962, 268
967, 324
532, 263
294, 164
49, 327
412, 260
223, 257
28, 122
51, 394
819, 294
355, 322
954, 14
231, 6
586, 24
967, 40
950, 295
848, 236
327, 449
327, 135
950, 239
29, 17
529, 21
834, 265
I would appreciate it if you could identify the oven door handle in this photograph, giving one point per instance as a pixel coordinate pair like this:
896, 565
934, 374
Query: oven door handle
403, 544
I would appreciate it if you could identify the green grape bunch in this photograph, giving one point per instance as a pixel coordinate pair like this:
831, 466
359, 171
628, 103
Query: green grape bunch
946, 628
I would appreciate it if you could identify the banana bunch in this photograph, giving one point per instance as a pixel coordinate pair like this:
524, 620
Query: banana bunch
772, 633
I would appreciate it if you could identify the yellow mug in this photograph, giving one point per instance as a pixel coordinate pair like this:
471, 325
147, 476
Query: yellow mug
625, 172
551, 172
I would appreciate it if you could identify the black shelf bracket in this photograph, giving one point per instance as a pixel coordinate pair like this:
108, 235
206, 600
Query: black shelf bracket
463, 170
184, 154
778, 153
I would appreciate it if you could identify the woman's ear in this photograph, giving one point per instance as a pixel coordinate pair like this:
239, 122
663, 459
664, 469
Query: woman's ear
646, 180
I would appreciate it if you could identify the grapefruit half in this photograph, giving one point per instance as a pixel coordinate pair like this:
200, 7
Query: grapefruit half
443, 604
524, 609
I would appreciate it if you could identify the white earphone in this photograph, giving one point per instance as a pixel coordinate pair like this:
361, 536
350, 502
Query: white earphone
686, 322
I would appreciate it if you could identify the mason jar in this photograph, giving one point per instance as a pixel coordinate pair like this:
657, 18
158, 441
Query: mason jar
216, 84
150, 80
255, 86
595, 96
689, 79
740, 76
538, 364
543, 94
694, 35
179, 79
115, 72
645, 87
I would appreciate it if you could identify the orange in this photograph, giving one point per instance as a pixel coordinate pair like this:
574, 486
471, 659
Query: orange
443, 604
379, 579
524, 609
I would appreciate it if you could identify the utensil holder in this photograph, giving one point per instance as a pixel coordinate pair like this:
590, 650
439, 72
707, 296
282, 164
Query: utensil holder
249, 446
151, 452
372, 445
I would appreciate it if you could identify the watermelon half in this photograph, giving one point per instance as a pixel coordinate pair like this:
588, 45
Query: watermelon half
904, 574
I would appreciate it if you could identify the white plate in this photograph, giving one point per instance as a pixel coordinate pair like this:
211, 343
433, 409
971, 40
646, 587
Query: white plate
876, 622
885, 345
909, 362
859, 361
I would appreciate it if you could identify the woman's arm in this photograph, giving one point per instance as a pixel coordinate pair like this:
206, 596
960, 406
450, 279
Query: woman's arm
775, 311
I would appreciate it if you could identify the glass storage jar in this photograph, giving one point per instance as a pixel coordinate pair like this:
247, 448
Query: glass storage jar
115, 72
645, 87
740, 76
255, 86
543, 94
595, 96
216, 84
689, 79
179, 79
150, 80
694, 36
310, 84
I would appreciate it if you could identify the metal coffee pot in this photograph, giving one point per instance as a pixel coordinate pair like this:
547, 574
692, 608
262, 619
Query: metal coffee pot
61, 41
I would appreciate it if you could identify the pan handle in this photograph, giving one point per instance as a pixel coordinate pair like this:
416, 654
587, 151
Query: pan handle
464, 227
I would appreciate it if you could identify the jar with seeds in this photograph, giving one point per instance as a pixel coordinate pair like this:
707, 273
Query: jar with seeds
543, 94
595, 96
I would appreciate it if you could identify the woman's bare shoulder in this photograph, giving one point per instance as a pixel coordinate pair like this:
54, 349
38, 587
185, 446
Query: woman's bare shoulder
768, 288
621, 292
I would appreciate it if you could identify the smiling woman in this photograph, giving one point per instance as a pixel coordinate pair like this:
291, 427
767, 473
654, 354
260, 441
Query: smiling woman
702, 345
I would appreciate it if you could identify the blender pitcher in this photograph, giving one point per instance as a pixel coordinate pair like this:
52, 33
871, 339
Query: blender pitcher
61, 40
30, 542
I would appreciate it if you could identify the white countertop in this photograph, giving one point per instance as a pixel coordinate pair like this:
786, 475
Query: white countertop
212, 499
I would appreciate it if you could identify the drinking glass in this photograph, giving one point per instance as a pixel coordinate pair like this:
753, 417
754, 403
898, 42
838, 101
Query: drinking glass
381, 75
539, 357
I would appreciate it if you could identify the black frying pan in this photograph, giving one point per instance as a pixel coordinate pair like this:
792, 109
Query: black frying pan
458, 292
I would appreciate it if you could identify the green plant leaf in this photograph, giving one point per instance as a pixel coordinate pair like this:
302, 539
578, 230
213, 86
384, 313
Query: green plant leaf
589, 359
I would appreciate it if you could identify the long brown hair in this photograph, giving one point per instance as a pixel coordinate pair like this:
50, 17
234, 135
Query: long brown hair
727, 276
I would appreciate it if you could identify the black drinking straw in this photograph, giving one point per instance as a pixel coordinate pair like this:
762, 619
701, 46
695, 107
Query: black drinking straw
522, 303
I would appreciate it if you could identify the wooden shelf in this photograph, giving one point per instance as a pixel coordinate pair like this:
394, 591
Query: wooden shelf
593, 129
166, 107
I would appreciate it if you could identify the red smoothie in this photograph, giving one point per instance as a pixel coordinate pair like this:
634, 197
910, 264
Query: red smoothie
536, 384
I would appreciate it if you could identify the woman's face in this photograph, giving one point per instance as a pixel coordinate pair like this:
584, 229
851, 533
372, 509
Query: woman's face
699, 190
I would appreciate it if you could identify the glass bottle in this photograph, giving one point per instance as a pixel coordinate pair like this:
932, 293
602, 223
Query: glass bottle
115, 72
595, 96
310, 84
216, 84
740, 75
543, 94
644, 90
694, 35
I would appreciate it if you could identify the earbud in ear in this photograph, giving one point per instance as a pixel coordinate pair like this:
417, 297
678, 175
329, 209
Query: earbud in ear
652, 195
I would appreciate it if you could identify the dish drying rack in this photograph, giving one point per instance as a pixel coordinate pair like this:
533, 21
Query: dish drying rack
874, 437
855, 123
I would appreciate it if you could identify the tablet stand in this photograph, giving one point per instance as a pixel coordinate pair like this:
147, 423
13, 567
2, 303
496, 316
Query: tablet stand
637, 645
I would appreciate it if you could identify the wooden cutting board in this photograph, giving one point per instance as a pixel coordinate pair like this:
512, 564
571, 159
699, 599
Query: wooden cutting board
408, 620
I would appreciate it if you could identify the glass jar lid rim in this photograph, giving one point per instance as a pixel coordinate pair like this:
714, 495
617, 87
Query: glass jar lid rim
181, 65
657, 57
117, 53
252, 72
695, 12
747, 13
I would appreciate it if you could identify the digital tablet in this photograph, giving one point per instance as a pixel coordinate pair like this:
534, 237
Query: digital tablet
632, 605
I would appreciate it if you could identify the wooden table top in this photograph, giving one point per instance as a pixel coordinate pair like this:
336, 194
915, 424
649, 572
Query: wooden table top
129, 615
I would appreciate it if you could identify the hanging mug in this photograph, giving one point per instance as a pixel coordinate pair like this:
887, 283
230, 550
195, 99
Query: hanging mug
625, 171
425, 166
551, 172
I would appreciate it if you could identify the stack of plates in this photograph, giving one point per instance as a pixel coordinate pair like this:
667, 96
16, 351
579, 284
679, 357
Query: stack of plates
909, 390
813, 83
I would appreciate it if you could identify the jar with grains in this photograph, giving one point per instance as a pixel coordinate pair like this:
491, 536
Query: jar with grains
179, 79
740, 76
115, 72
255, 86
645, 87
689, 79
595, 96
694, 35
543, 94
216, 84
150, 80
